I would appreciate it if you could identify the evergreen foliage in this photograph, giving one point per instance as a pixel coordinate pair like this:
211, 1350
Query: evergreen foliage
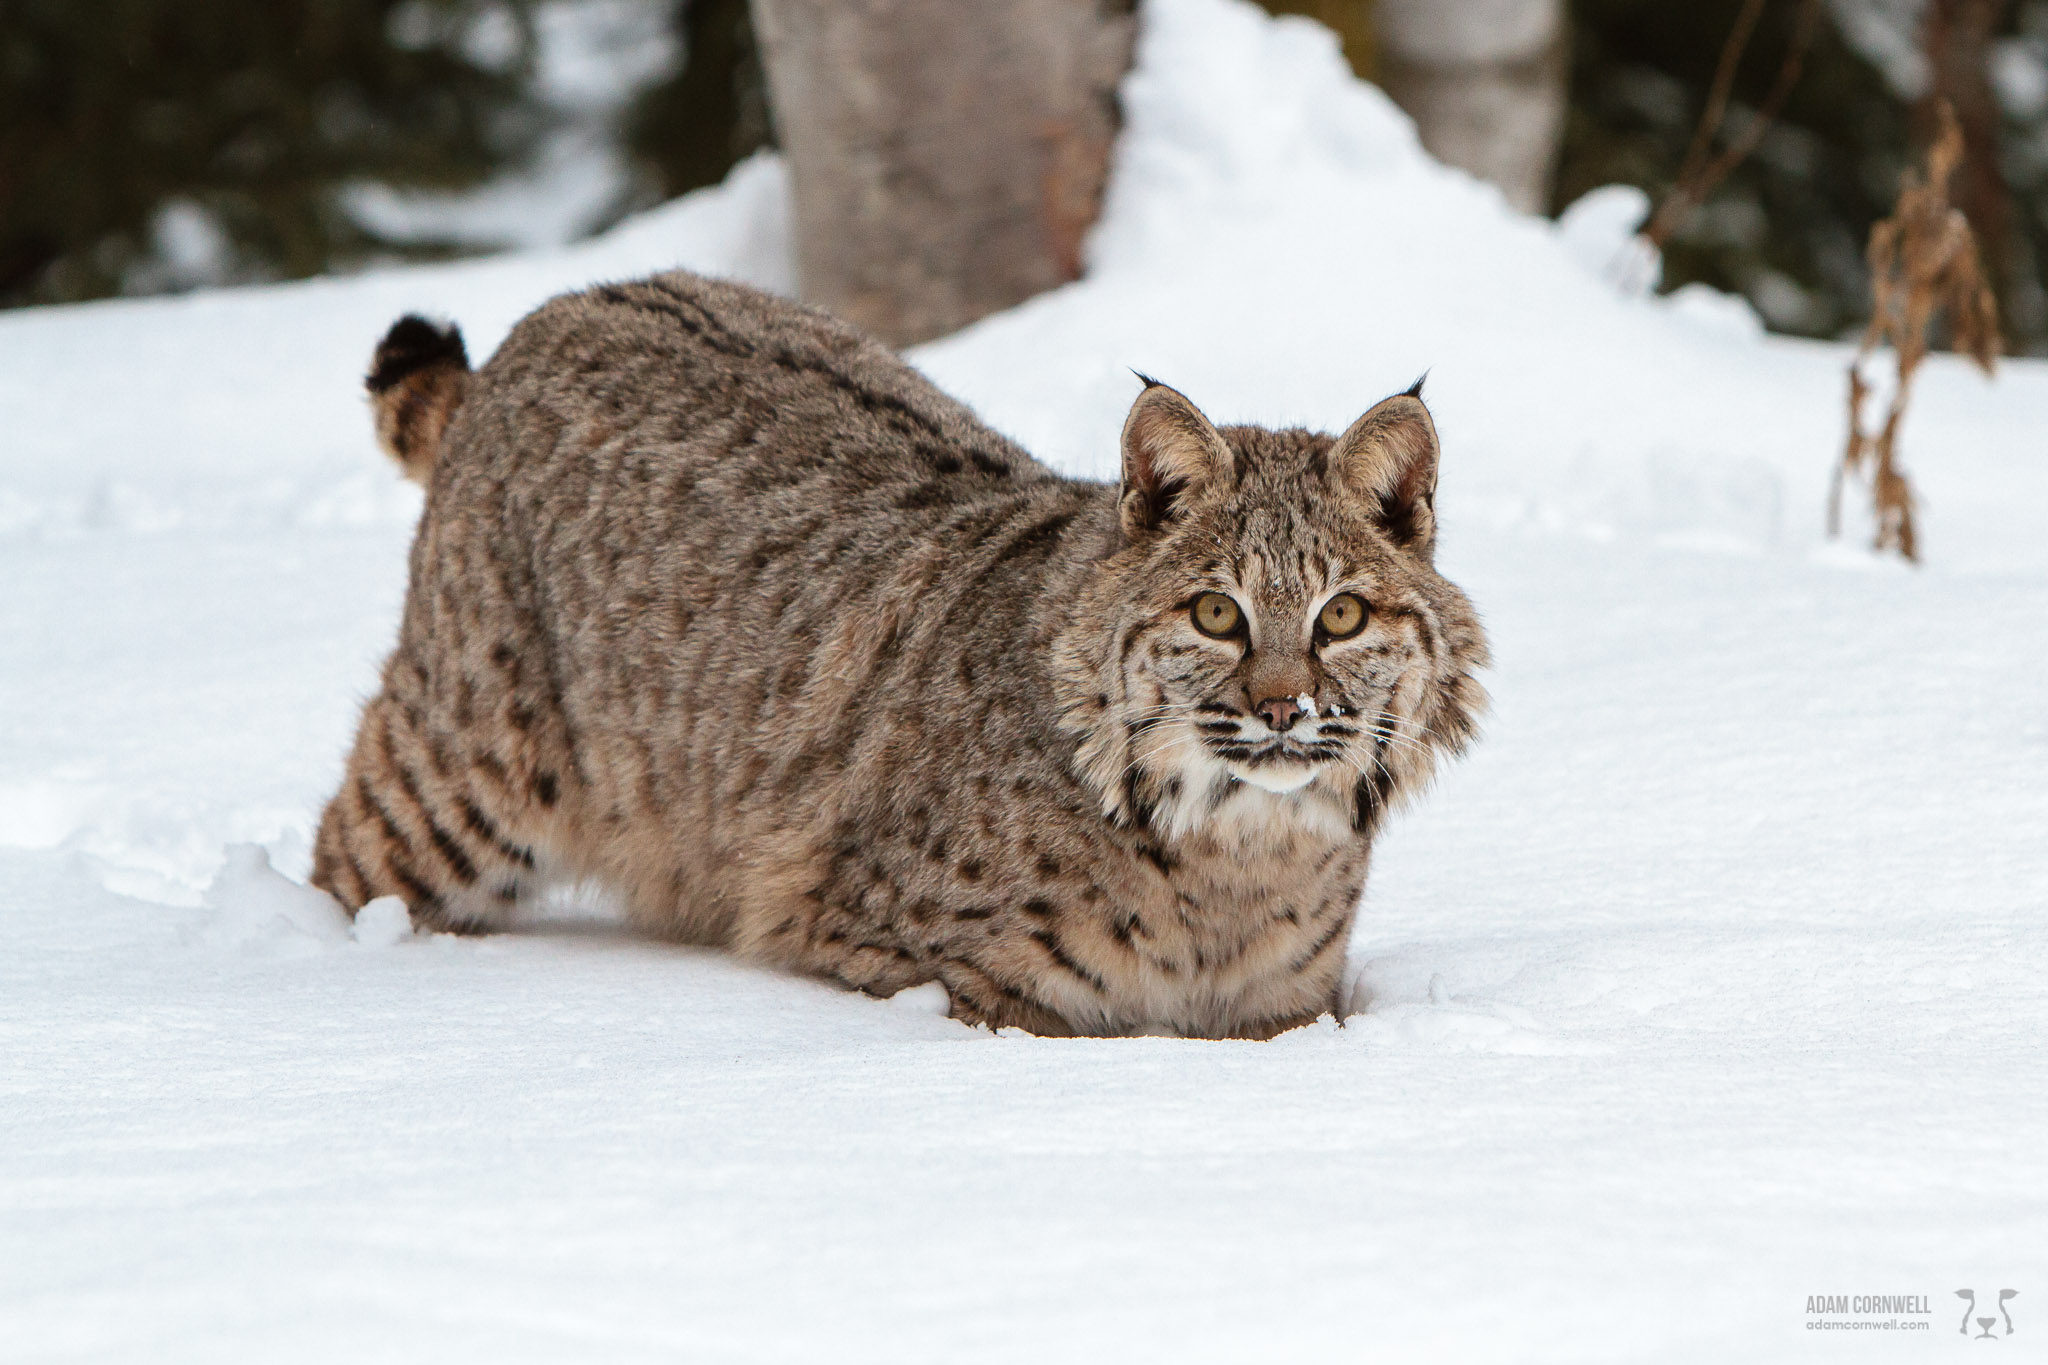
690, 129
1788, 227
124, 121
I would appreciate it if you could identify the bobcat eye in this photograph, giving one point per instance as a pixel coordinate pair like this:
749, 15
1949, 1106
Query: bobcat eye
1342, 617
1216, 615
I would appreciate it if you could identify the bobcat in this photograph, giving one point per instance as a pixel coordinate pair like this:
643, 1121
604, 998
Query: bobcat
723, 605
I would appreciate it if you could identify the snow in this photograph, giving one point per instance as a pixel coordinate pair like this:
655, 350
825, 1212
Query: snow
1886, 33
1598, 230
1709, 983
252, 900
255, 907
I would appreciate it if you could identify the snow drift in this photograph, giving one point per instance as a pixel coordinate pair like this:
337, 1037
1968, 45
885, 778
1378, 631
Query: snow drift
1710, 984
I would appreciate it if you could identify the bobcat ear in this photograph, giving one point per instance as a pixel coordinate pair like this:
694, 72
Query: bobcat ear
1389, 458
1169, 449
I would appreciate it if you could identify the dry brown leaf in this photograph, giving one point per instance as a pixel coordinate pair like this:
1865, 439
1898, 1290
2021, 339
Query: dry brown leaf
1923, 263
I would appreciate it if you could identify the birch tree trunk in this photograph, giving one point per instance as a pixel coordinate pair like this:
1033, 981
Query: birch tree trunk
947, 156
1484, 81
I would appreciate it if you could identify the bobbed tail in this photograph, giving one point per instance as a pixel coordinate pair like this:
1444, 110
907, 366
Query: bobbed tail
418, 378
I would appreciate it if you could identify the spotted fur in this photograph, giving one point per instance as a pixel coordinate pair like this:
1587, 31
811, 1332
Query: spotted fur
721, 604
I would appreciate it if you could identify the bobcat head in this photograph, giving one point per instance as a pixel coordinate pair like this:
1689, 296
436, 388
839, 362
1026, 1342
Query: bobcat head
1271, 628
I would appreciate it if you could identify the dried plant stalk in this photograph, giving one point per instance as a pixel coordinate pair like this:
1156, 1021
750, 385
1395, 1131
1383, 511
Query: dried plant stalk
1923, 262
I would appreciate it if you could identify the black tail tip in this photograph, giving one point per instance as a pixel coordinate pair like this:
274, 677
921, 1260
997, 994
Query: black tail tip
412, 344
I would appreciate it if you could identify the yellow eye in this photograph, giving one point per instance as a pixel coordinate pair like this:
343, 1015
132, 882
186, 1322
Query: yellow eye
1215, 614
1343, 616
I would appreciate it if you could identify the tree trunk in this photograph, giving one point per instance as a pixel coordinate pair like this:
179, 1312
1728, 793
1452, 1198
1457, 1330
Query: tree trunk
946, 157
1956, 36
1484, 81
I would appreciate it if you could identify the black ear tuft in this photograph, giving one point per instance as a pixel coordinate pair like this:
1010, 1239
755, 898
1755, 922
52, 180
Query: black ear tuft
1415, 390
1389, 459
1147, 380
1169, 449
412, 345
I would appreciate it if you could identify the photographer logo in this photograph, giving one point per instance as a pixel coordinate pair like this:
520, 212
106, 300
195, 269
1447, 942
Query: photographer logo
1987, 1319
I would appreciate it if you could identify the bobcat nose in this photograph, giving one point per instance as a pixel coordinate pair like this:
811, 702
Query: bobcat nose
1279, 712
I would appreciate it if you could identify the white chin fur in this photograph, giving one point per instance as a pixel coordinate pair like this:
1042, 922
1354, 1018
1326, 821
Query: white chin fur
1277, 778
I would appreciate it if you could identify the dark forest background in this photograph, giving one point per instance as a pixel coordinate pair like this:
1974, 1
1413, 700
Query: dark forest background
153, 145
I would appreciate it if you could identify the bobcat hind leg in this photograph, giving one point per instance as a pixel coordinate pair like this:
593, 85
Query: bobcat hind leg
413, 821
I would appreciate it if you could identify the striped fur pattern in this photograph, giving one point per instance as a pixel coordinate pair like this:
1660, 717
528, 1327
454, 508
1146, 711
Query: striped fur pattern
723, 605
